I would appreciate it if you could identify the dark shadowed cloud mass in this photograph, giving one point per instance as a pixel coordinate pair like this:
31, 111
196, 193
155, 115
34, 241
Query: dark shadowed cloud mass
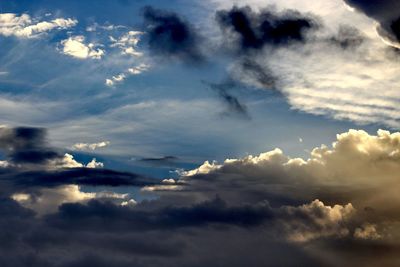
171, 36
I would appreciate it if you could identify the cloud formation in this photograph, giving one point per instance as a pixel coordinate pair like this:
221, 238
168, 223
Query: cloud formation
255, 30
171, 36
24, 26
75, 47
386, 14
269, 202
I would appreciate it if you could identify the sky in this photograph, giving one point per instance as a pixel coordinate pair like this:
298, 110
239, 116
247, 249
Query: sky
199, 132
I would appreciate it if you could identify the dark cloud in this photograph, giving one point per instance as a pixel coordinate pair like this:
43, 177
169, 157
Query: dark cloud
78, 176
162, 159
255, 30
171, 36
26, 145
216, 211
385, 12
33, 164
257, 210
234, 105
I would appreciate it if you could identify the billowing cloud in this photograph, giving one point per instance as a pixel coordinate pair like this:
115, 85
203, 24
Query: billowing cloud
75, 46
24, 26
266, 202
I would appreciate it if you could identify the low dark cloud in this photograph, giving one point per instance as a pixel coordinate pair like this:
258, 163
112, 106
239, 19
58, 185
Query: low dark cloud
254, 30
267, 206
171, 36
33, 164
385, 12
78, 176
26, 145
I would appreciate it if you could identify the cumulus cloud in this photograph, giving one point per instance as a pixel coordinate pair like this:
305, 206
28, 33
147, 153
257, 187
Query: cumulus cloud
24, 26
75, 46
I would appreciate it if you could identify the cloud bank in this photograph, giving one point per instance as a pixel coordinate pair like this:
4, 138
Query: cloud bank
270, 202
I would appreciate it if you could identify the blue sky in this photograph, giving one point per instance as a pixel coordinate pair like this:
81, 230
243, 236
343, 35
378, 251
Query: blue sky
167, 110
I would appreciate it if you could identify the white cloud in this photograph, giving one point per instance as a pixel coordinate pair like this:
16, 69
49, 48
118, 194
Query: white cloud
75, 46
26, 27
128, 43
122, 76
93, 146
68, 161
94, 164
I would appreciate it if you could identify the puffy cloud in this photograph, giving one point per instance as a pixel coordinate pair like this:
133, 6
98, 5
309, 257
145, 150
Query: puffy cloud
75, 46
95, 164
24, 26
367, 231
68, 161
315, 220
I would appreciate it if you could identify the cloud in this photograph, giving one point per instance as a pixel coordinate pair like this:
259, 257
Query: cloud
128, 43
314, 209
75, 47
24, 26
315, 220
234, 105
386, 14
93, 146
47, 200
255, 30
170, 36
120, 78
